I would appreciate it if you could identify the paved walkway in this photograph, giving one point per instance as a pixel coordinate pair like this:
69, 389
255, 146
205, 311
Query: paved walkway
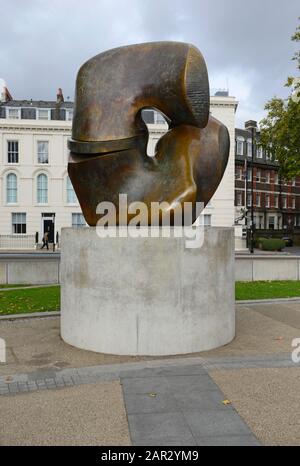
54, 393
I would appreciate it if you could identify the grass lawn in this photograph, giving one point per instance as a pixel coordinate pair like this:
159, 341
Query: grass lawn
30, 300
267, 290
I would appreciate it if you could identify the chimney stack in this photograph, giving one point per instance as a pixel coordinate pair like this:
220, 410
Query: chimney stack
59, 96
5, 94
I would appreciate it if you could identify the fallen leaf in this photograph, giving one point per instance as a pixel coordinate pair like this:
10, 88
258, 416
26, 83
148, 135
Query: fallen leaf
226, 402
279, 338
153, 395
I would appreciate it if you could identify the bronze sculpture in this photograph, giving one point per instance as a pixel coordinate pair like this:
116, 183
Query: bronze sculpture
109, 137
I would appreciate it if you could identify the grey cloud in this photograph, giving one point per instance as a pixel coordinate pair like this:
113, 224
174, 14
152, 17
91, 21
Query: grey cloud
43, 43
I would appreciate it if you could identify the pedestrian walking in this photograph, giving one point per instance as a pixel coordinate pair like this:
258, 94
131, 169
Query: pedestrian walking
46, 240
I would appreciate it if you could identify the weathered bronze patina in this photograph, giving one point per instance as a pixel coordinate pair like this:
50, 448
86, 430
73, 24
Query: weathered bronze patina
109, 137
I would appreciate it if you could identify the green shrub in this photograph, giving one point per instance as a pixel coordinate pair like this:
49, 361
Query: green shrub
258, 242
272, 244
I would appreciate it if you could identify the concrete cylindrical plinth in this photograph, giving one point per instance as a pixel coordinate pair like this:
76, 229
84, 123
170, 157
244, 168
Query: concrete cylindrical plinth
147, 296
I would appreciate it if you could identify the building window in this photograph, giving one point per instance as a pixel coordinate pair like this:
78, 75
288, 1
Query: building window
18, 223
14, 113
78, 221
294, 182
260, 222
267, 177
249, 198
258, 175
249, 148
13, 151
238, 173
267, 200
276, 201
271, 223
258, 199
249, 174
159, 118
43, 151
42, 189
276, 178
69, 115
207, 220
11, 189
43, 114
259, 153
284, 202
148, 116
71, 196
293, 203
239, 199
240, 146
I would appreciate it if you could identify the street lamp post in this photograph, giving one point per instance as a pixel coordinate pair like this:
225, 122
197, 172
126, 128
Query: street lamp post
252, 125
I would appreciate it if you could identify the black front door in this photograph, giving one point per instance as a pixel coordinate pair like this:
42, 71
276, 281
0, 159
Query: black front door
49, 227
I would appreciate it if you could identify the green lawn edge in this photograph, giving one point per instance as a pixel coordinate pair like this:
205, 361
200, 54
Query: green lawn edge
29, 300
47, 299
267, 290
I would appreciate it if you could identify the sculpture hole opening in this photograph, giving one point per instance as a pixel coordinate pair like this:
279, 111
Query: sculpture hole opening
157, 125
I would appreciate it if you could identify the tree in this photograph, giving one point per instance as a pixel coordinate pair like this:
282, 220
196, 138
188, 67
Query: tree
280, 130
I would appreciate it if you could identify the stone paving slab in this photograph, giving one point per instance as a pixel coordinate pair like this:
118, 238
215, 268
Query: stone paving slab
172, 409
134, 374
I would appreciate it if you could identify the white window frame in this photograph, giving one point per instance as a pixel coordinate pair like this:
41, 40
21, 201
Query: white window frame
68, 113
239, 199
238, 173
14, 152
69, 187
267, 200
18, 223
284, 202
259, 152
37, 151
273, 217
276, 201
293, 203
258, 199
48, 110
249, 174
14, 202
240, 141
249, 147
16, 109
39, 202
258, 178
77, 225
207, 220
268, 177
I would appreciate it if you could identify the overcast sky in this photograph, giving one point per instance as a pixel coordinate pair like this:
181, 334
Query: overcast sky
246, 43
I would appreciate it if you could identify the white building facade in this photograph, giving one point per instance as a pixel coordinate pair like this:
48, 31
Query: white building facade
35, 192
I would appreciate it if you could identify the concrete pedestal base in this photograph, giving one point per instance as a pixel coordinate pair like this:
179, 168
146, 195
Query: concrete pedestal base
147, 296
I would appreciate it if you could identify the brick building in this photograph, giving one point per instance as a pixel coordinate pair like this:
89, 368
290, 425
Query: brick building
276, 201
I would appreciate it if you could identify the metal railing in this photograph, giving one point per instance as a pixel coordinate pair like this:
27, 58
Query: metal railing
17, 242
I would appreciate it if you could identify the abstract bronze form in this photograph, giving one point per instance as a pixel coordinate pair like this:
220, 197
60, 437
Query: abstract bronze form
109, 137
